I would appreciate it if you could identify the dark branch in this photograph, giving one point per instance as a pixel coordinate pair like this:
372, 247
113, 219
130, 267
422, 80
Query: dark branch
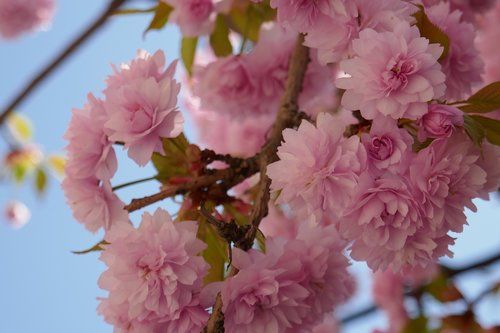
69, 50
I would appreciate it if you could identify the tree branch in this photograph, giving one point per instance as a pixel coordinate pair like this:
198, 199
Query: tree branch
449, 272
69, 50
287, 117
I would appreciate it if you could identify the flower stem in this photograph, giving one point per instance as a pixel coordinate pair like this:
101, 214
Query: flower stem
133, 183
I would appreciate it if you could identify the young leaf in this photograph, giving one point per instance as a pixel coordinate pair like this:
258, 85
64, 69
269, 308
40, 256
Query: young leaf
219, 39
485, 100
97, 247
431, 31
40, 180
188, 52
443, 290
20, 127
417, 325
160, 18
474, 130
247, 22
491, 128
57, 163
216, 252
128, 11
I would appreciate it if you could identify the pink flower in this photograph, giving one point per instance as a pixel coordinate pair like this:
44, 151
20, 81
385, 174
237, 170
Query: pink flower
277, 223
318, 168
393, 73
490, 52
386, 225
142, 107
19, 16
154, 276
90, 153
290, 287
227, 86
302, 14
94, 204
439, 122
489, 162
17, 214
194, 17
329, 325
462, 66
387, 146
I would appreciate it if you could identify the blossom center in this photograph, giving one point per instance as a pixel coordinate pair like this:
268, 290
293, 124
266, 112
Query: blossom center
397, 71
381, 148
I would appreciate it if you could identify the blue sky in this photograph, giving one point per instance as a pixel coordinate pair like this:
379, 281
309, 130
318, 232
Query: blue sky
43, 286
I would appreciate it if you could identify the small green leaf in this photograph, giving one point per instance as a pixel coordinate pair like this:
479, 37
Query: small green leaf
485, 100
175, 162
19, 172
127, 11
418, 146
216, 252
20, 127
160, 18
431, 31
247, 22
188, 52
491, 128
417, 325
443, 290
219, 39
474, 130
40, 180
97, 247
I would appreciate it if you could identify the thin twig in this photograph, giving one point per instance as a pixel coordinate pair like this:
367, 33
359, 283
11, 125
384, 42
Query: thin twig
69, 50
449, 272
117, 187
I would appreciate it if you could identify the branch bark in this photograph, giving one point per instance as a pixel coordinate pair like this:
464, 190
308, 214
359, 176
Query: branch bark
449, 272
61, 57
288, 116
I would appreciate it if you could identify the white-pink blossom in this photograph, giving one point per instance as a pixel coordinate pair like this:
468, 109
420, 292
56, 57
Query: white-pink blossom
393, 73
318, 168
141, 102
17, 214
20, 16
93, 203
154, 276
462, 65
194, 17
90, 152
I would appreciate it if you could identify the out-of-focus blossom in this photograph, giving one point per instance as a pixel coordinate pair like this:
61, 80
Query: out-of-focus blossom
17, 214
20, 16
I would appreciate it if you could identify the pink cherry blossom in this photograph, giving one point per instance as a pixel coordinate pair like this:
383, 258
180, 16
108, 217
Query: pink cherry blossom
387, 146
329, 325
302, 14
20, 16
489, 162
393, 73
90, 153
154, 276
318, 168
17, 214
490, 52
439, 122
93, 203
141, 102
290, 287
194, 17
462, 66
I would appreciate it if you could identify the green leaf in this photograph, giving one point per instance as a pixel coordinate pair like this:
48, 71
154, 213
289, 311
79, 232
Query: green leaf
247, 22
219, 39
160, 18
431, 31
443, 290
97, 247
19, 172
485, 100
176, 160
127, 11
216, 252
57, 163
40, 180
417, 325
188, 52
491, 128
418, 146
20, 127
474, 130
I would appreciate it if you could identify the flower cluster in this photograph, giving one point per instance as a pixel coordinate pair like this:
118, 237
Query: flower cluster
154, 276
139, 110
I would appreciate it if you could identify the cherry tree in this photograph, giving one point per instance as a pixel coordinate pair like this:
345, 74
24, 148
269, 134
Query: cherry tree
329, 131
